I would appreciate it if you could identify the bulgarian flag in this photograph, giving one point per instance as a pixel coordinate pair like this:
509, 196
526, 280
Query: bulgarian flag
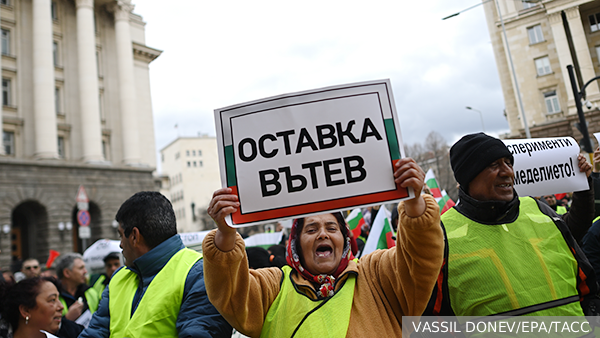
445, 202
355, 221
381, 235
432, 184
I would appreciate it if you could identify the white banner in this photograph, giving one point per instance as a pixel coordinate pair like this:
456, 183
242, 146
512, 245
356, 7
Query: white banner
546, 166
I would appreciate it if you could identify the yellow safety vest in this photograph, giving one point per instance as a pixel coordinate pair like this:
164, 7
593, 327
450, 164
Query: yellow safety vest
524, 267
295, 315
99, 286
561, 210
91, 297
156, 314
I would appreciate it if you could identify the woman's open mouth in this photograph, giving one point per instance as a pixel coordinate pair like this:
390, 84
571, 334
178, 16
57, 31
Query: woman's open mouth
324, 250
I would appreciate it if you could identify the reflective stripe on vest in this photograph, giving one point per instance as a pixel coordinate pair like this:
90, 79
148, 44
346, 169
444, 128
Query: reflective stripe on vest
292, 312
91, 297
495, 269
157, 311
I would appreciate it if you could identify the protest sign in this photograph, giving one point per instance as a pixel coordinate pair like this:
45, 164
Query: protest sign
310, 152
546, 166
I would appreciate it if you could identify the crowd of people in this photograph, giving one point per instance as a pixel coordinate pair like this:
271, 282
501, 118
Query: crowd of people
493, 253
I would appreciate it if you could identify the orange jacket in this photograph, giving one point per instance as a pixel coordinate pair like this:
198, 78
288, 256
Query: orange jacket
390, 283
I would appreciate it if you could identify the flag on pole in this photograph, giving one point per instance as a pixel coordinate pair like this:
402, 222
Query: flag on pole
53, 255
432, 184
381, 235
445, 202
355, 221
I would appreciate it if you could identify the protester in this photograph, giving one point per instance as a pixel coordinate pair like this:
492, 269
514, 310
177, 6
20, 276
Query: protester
31, 268
365, 298
258, 257
590, 244
112, 262
507, 254
551, 201
49, 272
32, 305
160, 292
76, 296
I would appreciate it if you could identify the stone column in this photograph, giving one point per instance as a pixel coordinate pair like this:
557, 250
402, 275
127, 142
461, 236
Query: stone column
127, 100
91, 130
582, 51
46, 143
564, 54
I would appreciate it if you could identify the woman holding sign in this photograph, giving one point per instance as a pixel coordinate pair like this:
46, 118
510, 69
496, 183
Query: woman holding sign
324, 292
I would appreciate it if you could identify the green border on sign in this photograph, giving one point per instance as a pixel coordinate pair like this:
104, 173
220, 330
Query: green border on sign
230, 166
390, 131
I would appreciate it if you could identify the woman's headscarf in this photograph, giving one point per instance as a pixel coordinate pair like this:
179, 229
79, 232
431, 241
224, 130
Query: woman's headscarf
325, 281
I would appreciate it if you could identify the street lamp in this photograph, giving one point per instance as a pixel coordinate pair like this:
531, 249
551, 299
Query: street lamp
512, 67
480, 115
579, 95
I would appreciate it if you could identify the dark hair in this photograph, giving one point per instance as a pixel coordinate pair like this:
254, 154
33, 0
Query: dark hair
258, 257
23, 293
277, 250
151, 213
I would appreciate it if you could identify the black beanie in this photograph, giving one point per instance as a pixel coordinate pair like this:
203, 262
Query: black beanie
472, 153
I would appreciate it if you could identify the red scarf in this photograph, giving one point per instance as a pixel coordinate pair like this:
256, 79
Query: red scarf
325, 282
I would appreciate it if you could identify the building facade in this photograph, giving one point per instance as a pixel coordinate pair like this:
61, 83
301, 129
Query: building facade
190, 167
544, 37
76, 110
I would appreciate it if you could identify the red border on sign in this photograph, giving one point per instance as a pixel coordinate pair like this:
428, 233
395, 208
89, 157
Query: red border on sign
343, 203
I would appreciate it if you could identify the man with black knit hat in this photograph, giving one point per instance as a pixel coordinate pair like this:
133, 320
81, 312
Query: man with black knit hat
507, 254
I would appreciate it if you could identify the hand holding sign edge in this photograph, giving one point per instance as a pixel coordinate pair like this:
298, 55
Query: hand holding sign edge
408, 174
221, 206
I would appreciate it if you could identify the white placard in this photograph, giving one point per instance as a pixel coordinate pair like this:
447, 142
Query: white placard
546, 166
310, 152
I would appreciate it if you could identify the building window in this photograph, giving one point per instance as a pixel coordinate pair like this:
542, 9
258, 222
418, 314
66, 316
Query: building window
535, 34
8, 140
194, 163
199, 152
6, 89
199, 163
61, 147
106, 147
552, 102
176, 155
57, 100
594, 22
55, 53
100, 106
187, 153
189, 164
543, 66
5, 42
4, 2
54, 10
527, 4
193, 153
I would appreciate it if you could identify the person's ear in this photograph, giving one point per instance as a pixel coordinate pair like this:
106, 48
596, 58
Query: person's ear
24, 311
66, 272
135, 236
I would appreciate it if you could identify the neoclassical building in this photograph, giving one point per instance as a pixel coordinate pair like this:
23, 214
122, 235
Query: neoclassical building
76, 111
544, 37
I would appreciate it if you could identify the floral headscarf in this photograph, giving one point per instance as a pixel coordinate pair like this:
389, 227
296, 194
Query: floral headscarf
325, 281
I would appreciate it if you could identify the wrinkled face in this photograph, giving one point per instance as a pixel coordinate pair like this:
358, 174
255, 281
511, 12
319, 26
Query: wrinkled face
550, 199
31, 268
77, 274
494, 183
111, 266
322, 244
47, 313
126, 246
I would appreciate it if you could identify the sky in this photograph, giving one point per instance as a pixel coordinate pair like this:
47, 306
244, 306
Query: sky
221, 53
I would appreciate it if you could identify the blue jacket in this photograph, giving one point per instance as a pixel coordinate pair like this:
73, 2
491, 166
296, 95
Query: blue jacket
197, 316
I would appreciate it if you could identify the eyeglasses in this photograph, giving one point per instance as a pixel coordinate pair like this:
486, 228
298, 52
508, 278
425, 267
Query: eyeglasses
32, 267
